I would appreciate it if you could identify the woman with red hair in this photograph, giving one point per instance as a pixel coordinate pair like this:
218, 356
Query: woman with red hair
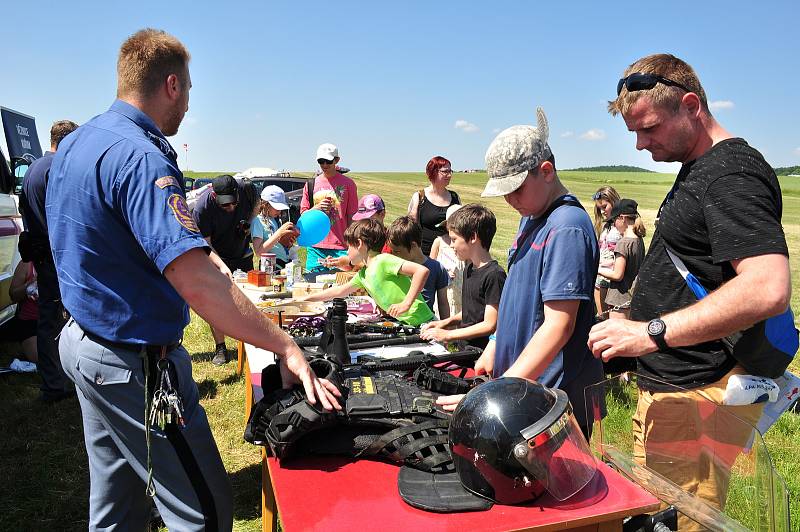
428, 206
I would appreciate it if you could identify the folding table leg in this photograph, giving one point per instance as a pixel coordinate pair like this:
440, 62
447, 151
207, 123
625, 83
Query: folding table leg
269, 513
240, 357
248, 392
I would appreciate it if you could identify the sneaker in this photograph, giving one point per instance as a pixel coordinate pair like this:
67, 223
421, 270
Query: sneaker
221, 356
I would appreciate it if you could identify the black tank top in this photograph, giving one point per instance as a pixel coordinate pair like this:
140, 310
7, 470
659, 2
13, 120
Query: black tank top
429, 215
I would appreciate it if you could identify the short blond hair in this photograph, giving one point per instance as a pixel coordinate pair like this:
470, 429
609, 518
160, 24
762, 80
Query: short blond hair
146, 58
664, 96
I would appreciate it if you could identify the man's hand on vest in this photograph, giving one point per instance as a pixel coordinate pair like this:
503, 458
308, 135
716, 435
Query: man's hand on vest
295, 370
620, 338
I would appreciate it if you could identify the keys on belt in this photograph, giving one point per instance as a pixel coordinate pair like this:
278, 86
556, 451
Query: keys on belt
166, 407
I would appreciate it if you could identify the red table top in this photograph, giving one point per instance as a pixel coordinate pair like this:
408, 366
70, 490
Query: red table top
333, 493
325, 493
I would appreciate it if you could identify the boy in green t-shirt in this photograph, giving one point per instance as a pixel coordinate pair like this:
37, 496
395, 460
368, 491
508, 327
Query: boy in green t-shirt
395, 284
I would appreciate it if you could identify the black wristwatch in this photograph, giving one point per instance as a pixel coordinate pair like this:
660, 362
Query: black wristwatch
657, 329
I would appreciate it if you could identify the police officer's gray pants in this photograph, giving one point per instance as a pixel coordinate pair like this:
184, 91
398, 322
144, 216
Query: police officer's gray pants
193, 492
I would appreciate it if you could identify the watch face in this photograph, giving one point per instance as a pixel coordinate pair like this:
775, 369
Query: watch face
656, 328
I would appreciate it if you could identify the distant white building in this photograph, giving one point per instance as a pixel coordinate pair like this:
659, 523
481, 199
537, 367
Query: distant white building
256, 172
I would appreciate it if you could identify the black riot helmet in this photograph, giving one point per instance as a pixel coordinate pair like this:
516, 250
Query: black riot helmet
513, 439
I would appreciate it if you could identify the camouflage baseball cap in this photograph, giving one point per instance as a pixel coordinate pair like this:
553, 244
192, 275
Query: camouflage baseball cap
512, 153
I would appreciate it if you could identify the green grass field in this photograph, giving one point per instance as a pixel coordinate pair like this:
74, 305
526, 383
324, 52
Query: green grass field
44, 461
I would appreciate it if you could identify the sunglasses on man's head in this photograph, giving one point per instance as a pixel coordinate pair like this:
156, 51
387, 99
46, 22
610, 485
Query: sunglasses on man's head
639, 81
324, 161
216, 198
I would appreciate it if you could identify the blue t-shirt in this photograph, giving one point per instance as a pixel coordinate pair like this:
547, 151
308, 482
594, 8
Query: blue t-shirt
258, 229
31, 200
556, 262
117, 216
438, 278
513, 248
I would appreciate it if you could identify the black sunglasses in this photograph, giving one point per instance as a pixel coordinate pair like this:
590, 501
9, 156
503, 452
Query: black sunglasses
324, 161
639, 81
597, 195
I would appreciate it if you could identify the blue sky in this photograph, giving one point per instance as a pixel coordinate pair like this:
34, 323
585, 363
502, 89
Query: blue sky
394, 83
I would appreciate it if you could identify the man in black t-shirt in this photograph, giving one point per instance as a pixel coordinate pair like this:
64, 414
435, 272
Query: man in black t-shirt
722, 217
223, 214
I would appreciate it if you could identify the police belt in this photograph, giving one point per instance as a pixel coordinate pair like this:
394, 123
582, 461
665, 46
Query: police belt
152, 350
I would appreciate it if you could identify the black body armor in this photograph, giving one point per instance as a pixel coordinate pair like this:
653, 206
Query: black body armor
386, 414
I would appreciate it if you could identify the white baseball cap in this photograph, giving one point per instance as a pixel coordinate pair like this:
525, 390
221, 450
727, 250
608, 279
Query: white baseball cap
327, 151
275, 196
450, 210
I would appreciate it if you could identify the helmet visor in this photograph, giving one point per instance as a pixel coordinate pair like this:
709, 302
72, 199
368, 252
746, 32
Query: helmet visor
556, 453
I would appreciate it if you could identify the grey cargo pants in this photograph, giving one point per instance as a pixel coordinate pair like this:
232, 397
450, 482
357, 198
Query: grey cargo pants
193, 492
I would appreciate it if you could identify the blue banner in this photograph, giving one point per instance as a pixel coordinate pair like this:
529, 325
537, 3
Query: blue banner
21, 136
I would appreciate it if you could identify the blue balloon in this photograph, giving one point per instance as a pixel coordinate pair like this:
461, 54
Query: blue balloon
314, 225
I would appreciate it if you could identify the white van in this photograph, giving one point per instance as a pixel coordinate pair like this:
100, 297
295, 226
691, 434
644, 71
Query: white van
10, 228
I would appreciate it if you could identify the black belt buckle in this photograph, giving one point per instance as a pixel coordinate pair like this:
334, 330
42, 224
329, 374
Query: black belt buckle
156, 350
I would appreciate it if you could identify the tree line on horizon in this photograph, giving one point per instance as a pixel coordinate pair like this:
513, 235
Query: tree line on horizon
787, 170
607, 168
610, 168
780, 170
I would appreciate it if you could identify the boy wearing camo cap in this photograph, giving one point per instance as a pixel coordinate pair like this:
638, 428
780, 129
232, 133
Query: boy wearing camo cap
546, 309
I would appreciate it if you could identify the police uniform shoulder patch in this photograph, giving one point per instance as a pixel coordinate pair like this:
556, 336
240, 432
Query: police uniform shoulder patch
181, 211
167, 181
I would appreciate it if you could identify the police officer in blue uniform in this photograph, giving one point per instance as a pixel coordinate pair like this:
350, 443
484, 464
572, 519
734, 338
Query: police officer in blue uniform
129, 258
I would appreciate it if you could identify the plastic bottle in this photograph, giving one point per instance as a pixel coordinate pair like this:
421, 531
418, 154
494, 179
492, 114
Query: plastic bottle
289, 276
